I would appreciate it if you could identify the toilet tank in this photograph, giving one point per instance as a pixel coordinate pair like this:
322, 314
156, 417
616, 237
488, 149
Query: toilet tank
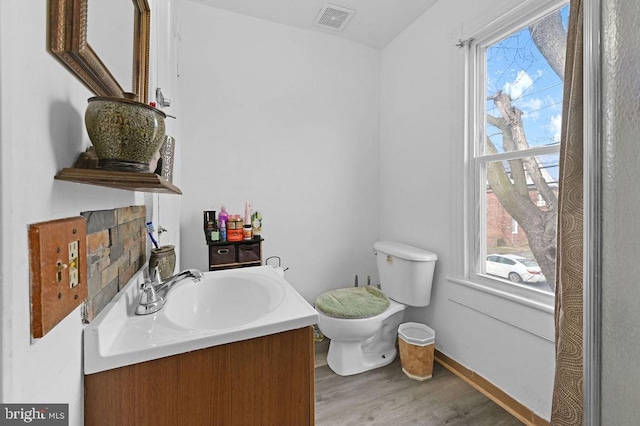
406, 272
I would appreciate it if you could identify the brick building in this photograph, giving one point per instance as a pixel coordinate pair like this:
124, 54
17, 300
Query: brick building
504, 235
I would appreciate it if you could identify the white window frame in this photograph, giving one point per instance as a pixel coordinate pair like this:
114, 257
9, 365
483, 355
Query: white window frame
472, 255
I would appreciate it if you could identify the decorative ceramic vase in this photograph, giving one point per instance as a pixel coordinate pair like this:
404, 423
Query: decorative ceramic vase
125, 134
164, 258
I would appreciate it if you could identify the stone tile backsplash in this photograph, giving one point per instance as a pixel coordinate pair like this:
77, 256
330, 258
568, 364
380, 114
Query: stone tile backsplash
116, 250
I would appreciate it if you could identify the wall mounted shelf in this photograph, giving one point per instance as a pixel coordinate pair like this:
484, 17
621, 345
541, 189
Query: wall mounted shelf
132, 181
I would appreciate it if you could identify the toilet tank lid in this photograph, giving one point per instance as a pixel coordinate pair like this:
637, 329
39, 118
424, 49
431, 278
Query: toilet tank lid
405, 251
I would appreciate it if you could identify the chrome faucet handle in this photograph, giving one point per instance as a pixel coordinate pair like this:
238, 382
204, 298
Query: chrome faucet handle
147, 293
149, 300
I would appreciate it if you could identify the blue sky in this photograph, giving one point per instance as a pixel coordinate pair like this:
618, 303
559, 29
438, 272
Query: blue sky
515, 66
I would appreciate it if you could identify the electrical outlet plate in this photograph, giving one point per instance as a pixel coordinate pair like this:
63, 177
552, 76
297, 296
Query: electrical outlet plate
57, 265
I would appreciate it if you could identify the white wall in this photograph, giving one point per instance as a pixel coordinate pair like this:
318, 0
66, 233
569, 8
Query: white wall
288, 119
41, 131
164, 74
421, 149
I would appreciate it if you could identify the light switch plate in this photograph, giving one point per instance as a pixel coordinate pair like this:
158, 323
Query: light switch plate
58, 279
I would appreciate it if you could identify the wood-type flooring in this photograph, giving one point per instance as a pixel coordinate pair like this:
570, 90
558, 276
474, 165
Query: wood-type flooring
386, 397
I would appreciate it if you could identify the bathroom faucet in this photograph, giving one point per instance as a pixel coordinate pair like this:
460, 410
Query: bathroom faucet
153, 293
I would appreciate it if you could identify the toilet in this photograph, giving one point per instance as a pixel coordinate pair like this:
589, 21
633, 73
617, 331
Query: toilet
362, 322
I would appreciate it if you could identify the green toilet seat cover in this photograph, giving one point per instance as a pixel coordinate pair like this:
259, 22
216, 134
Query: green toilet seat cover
352, 302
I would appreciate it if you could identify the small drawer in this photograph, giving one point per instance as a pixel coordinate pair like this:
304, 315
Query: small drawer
220, 255
249, 252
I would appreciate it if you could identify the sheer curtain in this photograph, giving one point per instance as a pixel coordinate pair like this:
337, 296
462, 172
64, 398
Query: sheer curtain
567, 405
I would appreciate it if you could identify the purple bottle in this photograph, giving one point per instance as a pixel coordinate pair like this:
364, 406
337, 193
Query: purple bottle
223, 218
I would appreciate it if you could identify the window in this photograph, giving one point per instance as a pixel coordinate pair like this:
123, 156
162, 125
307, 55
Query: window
515, 92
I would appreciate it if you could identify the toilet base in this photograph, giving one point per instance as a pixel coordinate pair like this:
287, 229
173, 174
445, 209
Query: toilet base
349, 358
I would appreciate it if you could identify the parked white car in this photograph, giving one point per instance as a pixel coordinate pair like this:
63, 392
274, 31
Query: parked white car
515, 268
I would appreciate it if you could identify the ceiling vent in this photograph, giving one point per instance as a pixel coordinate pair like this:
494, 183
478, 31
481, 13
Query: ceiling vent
333, 17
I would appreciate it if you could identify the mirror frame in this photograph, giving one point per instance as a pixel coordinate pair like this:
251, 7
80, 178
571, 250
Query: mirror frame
68, 42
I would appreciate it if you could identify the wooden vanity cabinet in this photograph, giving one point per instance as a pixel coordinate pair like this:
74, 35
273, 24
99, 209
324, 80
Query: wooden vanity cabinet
263, 381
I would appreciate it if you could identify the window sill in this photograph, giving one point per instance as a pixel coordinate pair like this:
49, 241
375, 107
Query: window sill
521, 308
534, 299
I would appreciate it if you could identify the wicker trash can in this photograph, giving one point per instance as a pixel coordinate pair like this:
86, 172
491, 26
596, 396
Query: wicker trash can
416, 342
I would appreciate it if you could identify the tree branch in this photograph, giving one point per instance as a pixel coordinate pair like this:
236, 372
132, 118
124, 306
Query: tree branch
550, 37
520, 206
537, 224
517, 168
513, 118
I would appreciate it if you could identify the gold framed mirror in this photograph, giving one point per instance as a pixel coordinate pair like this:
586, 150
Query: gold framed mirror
68, 29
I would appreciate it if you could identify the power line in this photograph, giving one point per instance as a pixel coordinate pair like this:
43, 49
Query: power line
544, 107
539, 91
535, 110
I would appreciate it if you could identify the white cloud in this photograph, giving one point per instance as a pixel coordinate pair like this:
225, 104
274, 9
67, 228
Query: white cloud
534, 103
556, 127
522, 83
530, 108
556, 103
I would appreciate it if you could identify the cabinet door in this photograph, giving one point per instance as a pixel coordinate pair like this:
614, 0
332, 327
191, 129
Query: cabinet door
263, 381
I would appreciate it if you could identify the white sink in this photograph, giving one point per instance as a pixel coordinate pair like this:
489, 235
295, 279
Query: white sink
220, 302
223, 307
